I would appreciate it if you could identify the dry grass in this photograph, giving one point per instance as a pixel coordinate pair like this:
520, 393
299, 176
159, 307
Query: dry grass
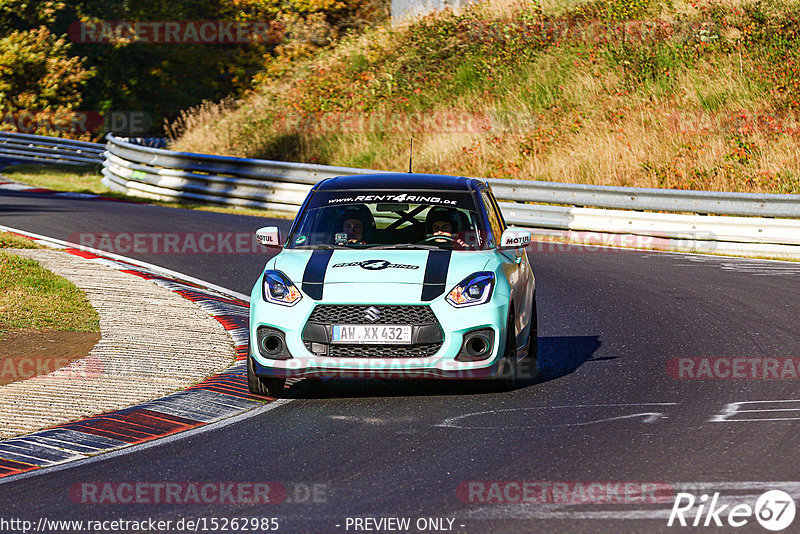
709, 107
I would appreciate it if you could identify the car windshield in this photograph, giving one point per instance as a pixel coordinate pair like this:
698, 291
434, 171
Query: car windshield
347, 219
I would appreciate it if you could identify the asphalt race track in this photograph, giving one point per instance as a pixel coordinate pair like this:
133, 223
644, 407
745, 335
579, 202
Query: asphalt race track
609, 407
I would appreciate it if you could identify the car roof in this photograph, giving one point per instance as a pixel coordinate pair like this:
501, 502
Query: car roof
401, 181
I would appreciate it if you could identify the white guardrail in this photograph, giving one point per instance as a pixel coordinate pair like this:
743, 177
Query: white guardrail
701, 221
29, 148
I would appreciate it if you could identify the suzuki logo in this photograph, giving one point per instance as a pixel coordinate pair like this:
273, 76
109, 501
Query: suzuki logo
372, 314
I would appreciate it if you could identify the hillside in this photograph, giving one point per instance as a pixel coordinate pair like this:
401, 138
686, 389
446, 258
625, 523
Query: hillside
693, 95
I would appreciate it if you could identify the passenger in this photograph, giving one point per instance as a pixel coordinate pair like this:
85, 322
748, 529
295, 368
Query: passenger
354, 225
354, 228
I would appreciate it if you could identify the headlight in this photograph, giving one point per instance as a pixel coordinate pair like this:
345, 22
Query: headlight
474, 289
278, 289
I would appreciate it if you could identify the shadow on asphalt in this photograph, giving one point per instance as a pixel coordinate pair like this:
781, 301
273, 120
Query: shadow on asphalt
558, 356
561, 355
27, 208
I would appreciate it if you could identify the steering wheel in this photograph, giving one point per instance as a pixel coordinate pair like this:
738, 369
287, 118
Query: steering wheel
437, 238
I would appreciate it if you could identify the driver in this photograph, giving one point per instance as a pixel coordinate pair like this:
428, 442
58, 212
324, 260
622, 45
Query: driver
442, 227
446, 228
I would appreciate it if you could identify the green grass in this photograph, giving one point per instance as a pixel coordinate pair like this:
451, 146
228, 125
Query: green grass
8, 240
712, 100
86, 179
31, 297
76, 178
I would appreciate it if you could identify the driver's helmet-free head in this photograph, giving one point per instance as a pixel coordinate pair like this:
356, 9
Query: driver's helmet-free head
439, 215
357, 212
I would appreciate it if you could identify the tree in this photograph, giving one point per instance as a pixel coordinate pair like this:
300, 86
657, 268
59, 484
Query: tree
38, 77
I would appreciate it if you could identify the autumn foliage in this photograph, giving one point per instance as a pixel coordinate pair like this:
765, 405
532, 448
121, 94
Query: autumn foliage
43, 72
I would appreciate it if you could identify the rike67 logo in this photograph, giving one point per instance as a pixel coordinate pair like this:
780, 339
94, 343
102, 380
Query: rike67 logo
774, 510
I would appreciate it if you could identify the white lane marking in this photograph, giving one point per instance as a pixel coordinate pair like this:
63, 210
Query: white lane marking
711, 258
149, 444
15, 186
523, 512
768, 266
373, 420
149, 266
647, 417
733, 408
755, 267
748, 492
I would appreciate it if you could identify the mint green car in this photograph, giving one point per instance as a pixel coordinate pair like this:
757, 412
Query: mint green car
394, 275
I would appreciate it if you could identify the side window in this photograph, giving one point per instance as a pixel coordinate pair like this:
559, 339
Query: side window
494, 221
503, 224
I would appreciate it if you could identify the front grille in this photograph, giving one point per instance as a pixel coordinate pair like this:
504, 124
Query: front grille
389, 314
418, 316
381, 351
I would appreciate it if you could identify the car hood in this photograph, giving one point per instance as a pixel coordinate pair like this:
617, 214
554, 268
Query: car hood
375, 268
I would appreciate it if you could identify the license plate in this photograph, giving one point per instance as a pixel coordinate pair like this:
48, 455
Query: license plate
367, 333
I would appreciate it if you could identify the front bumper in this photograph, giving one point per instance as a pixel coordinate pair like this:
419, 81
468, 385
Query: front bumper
335, 368
454, 323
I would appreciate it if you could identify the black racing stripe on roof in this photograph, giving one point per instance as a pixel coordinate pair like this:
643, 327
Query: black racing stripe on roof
314, 275
433, 284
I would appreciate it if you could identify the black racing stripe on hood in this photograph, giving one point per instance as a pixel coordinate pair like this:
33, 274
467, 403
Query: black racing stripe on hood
314, 275
435, 279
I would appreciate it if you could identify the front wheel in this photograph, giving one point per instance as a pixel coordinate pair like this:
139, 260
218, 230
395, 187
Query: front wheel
261, 385
507, 379
528, 368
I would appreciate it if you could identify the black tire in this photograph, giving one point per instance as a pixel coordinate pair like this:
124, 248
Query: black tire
507, 379
261, 385
529, 366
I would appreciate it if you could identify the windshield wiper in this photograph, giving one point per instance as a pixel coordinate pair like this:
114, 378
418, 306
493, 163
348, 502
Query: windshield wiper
322, 246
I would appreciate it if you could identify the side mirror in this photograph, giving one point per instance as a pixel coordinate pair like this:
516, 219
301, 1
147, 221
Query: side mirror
515, 238
269, 236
